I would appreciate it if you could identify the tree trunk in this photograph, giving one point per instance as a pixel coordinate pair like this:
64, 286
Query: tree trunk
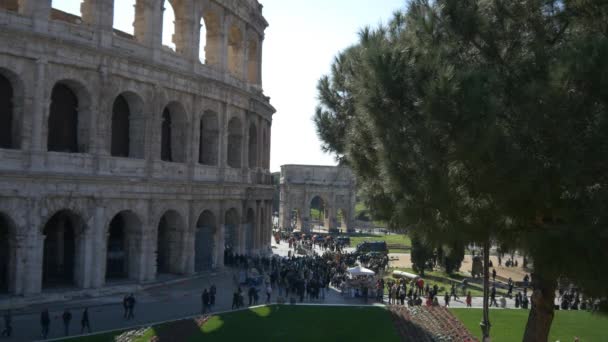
485, 324
542, 309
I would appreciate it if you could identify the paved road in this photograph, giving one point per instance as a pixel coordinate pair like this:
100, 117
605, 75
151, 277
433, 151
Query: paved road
153, 305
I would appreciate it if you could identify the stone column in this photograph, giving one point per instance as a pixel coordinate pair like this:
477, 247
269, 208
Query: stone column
98, 249
27, 263
41, 104
259, 74
220, 238
223, 45
222, 144
258, 228
187, 31
100, 14
39, 10
148, 25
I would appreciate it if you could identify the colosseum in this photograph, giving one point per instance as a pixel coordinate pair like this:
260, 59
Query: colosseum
123, 160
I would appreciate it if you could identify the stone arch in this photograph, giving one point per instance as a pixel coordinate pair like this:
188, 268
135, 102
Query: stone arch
128, 126
253, 146
235, 51
205, 241
318, 211
252, 61
209, 138
11, 111
63, 251
122, 246
7, 246
211, 44
169, 243
231, 222
174, 133
250, 230
168, 34
342, 219
68, 118
235, 142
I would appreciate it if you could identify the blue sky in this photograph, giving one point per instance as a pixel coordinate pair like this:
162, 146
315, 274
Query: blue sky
300, 44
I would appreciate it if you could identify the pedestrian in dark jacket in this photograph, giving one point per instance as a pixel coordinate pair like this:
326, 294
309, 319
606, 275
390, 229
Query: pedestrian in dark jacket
45, 322
131, 306
205, 301
8, 326
67, 318
84, 322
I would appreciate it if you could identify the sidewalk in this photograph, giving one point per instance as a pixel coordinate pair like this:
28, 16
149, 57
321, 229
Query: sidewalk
165, 301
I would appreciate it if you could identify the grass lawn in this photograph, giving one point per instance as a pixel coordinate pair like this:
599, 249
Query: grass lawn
509, 325
283, 323
399, 239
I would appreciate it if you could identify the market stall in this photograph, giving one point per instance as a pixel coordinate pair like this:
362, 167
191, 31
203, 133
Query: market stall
360, 282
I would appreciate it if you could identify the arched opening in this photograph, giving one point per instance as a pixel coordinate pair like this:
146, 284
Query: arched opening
202, 48
253, 146
121, 260
128, 126
342, 220
250, 230
208, 142
120, 127
252, 62
63, 120
169, 243
235, 51
124, 16
6, 113
235, 138
318, 213
265, 147
168, 25
10, 5
173, 134
211, 43
231, 230
62, 249
6, 228
204, 245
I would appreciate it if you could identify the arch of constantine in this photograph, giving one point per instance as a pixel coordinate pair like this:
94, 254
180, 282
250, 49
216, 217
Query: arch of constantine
122, 159
319, 197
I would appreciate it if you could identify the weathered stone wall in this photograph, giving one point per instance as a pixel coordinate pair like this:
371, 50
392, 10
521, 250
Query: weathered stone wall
98, 64
300, 184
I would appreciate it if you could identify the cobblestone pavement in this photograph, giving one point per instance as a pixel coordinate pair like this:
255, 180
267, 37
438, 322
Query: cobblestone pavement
161, 303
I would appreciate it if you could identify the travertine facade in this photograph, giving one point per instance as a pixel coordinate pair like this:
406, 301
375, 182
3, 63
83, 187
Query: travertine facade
333, 186
122, 159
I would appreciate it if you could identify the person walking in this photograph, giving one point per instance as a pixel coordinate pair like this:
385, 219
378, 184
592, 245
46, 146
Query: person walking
493, 297
8, 326
131, 306
212, 292
45, 322
125, 305
205, 301
67, 318
84, 322
469, 299
446, 299
494, 274
268, 293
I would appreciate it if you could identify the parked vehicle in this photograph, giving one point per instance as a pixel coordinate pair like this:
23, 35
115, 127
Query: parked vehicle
372, 246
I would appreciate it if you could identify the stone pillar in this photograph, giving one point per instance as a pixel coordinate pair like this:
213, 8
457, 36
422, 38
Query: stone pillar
100, 14
39, 10
148, 25
147, 257
259, 74
41, 104
98, 249
27, 261
220, 237
258, 227
223, 44
187, 31
268, 218
222, 144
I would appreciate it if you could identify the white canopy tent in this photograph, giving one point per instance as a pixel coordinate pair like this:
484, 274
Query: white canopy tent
360, 271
